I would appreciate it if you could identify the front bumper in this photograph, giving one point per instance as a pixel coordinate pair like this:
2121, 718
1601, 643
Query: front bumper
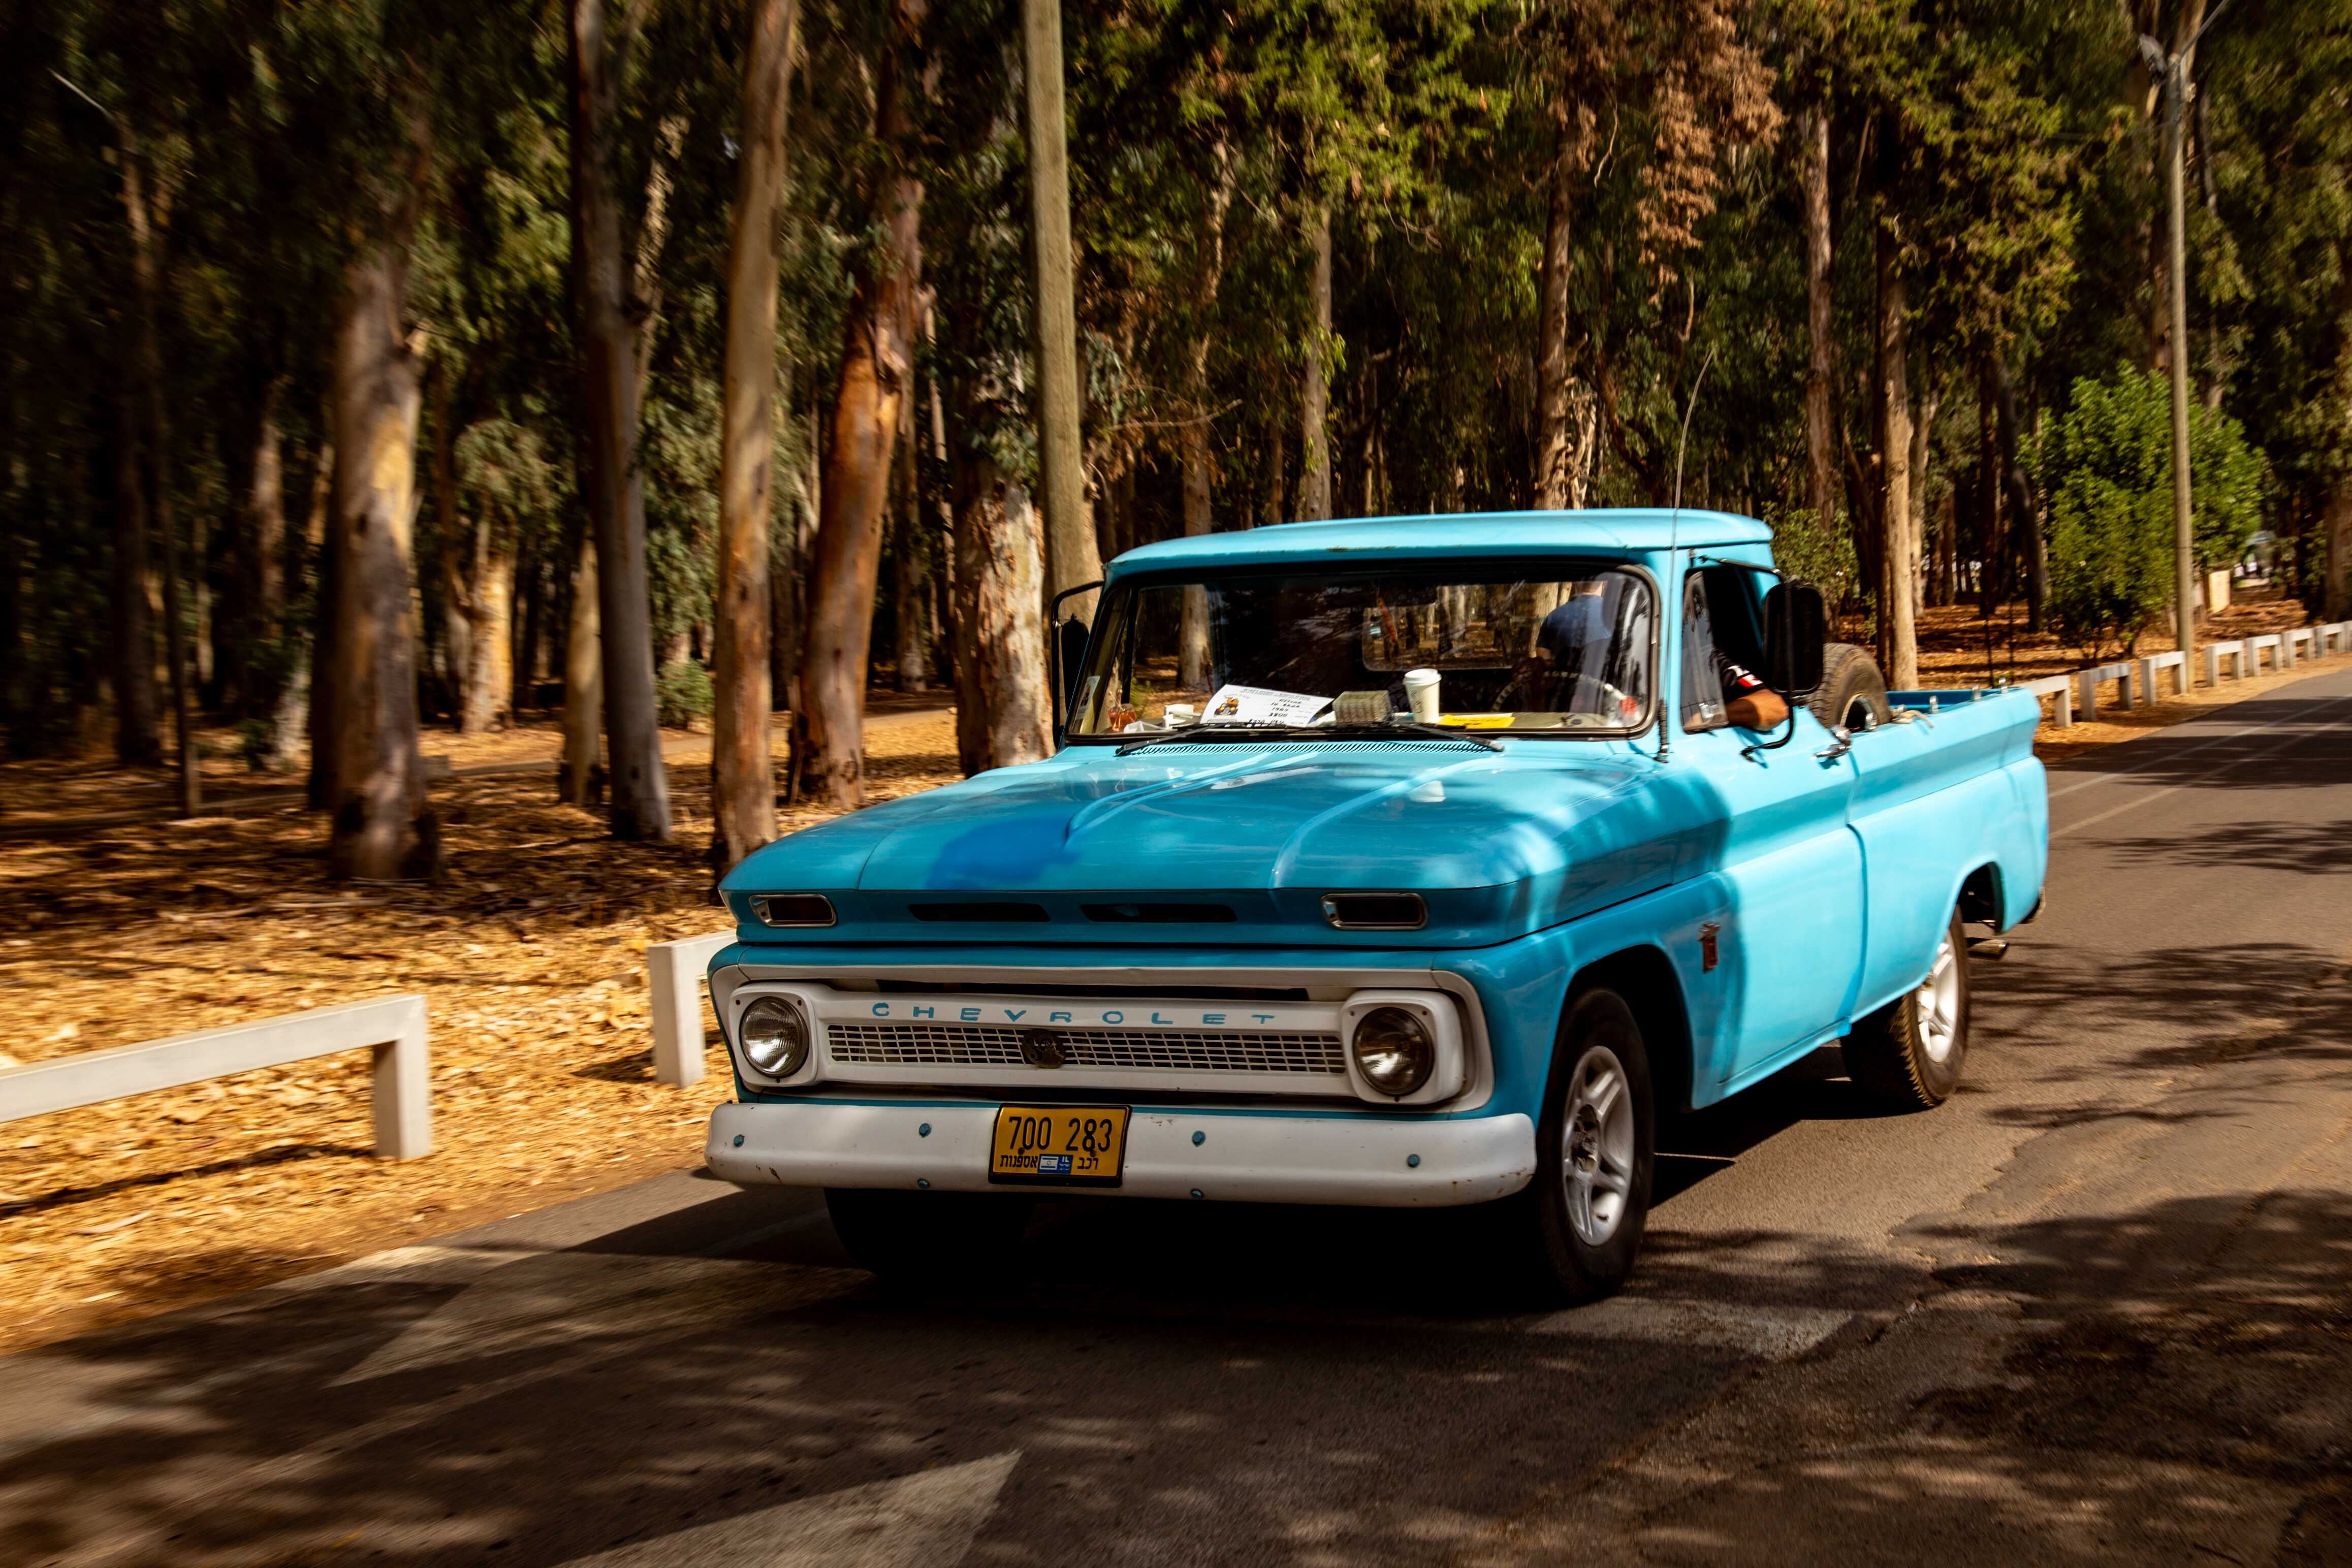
1385, 1161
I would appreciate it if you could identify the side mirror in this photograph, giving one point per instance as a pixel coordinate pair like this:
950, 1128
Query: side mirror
1796, 630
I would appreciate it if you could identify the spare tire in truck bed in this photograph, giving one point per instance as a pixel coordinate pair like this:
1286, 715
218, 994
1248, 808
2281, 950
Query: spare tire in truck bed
1852, 692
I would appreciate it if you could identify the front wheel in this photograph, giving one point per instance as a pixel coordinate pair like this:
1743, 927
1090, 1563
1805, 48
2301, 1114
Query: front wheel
1908, 1054
1580, 1219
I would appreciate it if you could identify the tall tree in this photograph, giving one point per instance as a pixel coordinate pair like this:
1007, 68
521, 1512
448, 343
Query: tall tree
877, 364
1073, 556
1314, 391
383, 826
742, 775
612, 313
155, 443
1820, 366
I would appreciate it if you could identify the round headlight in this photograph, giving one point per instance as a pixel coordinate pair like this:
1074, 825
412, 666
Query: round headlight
775, 1038
1393, 1050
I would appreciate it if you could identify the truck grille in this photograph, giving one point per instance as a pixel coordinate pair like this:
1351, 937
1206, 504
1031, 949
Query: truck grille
971, 1045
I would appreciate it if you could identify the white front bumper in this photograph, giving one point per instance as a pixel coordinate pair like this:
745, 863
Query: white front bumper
1384, 1162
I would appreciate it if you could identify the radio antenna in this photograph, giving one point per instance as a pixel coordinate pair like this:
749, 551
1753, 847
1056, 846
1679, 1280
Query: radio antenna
1682, 442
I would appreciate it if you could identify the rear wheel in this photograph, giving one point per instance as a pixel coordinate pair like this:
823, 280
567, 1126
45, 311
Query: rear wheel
1852, 692
1908, 1055
921, 1238
1579, 1222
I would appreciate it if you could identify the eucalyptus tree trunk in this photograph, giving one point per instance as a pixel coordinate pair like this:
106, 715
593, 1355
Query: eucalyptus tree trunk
878, 365
1556, 469
486, 609
136, 743
263, 622
1898, 644
1923, 429
742, 772
299, 709
1192, 643
580, 777
2016, 497
2338, 527
1004, 709
383, 827
909, 597
1073, 554
1820, 466
1315, 461
156, 446
611, 314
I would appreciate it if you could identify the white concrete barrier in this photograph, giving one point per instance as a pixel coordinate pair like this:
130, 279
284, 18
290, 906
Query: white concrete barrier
2175, 661
2086, 687
2060, 690
2253, 663
393, 1027
674, 973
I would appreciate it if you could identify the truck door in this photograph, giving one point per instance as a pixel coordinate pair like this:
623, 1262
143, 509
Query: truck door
1783, 865
1919, 825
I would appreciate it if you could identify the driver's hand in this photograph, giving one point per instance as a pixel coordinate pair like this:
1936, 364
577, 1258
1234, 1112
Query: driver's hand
1757, 710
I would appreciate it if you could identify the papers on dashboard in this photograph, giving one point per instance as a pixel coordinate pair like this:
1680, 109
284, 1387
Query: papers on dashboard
1257, 704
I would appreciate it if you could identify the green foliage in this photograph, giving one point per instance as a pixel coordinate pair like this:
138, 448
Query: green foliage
682, 694
2106, 466
1820, 554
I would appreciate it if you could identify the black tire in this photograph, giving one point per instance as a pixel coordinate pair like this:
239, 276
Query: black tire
1852, 692
1567, 1258
1894, 1056
928, 1238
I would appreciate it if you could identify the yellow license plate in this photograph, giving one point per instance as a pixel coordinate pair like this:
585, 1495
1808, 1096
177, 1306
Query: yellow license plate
1058, 1145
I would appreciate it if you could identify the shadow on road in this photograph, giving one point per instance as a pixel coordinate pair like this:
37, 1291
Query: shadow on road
1135, 1433
2302, 741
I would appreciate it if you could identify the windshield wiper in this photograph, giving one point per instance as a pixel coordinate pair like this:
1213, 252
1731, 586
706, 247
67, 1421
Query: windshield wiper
1311, 732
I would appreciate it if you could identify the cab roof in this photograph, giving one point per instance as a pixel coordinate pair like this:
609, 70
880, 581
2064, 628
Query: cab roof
1627, 531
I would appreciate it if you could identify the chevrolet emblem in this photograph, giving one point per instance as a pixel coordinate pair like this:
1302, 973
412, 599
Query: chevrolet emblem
1043, 1047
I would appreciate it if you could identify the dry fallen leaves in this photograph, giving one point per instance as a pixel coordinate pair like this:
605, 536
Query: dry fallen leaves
531, 950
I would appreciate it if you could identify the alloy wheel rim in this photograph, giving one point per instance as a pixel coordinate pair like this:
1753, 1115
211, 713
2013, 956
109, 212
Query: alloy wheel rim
1597, 1146
1936, 1006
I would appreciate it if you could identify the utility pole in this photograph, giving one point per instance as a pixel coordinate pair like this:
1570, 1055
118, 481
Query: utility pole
2174, 71
2184, 553
1071, 555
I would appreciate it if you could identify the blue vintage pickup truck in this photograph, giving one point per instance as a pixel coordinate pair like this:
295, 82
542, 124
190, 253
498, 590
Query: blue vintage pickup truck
1407, 862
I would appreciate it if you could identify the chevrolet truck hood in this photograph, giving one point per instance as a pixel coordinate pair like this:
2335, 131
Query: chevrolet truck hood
1497, 842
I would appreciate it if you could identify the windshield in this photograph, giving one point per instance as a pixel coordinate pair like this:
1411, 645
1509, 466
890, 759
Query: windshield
1564, 649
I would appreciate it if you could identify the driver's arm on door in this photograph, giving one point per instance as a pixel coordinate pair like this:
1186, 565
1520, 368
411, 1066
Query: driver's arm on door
1747, 702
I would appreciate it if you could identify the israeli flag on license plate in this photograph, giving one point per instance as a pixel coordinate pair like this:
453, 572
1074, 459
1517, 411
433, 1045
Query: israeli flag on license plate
1053, 1165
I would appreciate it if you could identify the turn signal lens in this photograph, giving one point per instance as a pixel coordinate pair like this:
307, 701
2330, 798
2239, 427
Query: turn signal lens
775, 1037
788, 909
1393, 1050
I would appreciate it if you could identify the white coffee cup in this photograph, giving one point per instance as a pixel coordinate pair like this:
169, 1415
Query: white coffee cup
1421, 693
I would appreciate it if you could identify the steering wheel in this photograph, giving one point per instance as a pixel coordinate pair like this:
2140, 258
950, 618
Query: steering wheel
1612, 702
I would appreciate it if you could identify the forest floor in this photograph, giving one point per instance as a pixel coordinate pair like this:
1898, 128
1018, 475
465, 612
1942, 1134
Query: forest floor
530, 950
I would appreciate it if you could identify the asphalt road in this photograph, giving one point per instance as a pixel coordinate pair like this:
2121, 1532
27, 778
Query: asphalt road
2097, 1308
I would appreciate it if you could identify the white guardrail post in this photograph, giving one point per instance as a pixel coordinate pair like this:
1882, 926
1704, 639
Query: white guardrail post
2060, 690
674, 977
400, 1094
